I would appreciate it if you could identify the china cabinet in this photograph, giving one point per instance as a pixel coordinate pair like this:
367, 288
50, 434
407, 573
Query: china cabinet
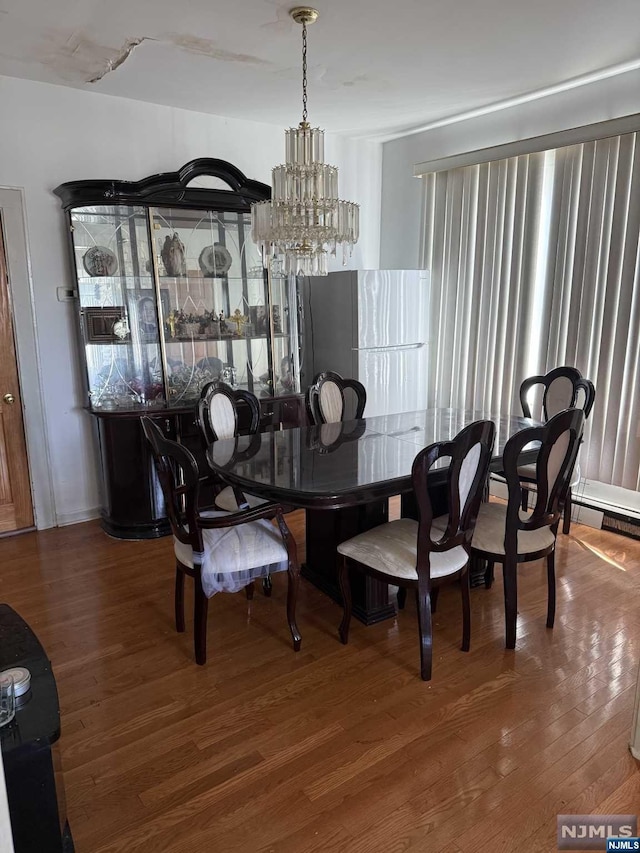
171, 294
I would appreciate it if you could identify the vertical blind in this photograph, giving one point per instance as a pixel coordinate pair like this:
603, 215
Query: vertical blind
534, 263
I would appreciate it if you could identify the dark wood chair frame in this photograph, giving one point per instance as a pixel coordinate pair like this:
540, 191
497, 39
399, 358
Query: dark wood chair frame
312, 396
208, 434
459, 532
179, 477
579, 384
546, 511
203, 416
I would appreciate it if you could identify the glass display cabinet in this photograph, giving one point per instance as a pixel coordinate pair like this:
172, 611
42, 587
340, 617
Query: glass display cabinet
172, 294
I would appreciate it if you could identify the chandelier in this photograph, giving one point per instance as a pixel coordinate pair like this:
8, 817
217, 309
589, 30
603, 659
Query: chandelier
305, 221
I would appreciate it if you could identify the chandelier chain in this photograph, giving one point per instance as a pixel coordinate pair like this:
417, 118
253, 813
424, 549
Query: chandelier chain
304, 71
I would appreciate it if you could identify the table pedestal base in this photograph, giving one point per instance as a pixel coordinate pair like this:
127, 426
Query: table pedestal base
326, 529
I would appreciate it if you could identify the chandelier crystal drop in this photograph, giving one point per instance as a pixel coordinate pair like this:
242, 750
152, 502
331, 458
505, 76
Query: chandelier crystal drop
305, 221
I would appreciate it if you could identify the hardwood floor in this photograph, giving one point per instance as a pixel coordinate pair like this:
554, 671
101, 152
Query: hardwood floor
336, 748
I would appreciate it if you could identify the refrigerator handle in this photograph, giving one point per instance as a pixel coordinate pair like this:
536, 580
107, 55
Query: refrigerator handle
393, 347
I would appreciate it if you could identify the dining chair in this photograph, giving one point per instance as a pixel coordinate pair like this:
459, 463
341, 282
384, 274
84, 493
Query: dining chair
217, 418
221, 551
508, 534
562, 388
406, 553
325, 398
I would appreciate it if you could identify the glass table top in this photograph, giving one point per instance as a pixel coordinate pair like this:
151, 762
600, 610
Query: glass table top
335, 465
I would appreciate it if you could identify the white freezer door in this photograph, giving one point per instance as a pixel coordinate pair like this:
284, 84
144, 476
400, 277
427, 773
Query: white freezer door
395, 378
393, 307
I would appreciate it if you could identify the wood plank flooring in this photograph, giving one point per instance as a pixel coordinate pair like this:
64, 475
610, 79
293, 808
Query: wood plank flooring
334, 748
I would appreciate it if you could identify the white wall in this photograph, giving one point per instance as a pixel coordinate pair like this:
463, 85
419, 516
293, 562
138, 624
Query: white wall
401, 192
52, 134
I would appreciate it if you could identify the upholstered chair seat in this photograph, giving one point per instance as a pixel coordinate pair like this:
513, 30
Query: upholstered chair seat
490, 527
392, 549
233, 557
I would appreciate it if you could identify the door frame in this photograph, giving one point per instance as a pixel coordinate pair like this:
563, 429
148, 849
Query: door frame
13, 208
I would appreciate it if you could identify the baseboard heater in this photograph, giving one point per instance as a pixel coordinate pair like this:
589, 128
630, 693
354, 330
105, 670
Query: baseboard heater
597, 505
627, 525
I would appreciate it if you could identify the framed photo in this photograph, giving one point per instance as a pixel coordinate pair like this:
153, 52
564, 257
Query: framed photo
143, 317
99, 323
259, 319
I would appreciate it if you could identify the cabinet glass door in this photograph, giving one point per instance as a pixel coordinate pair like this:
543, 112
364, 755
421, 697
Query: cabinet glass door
118, 315
213, 302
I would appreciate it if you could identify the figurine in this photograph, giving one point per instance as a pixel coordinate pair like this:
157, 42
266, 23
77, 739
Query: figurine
171, 323
172, 255
239, 319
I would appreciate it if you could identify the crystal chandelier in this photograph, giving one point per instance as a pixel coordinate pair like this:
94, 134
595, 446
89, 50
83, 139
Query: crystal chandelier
305, 220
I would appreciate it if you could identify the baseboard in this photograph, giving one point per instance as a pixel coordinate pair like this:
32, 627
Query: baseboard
64, 519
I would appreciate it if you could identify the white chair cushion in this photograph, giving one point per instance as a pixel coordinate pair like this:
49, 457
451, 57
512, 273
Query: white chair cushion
392, 549
529, 472
490, 528
226, 500
234, 556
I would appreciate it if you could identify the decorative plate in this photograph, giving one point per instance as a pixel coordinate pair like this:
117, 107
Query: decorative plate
214, 260
98, 260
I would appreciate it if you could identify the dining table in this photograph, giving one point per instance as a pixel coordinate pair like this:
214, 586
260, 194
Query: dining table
343, 475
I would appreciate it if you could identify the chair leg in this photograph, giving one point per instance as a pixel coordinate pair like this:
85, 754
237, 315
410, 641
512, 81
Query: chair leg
292, 597
551, 588
401, 597
249, 591
525, 499
510, 579
423, 601
435, 592
466, 612
345, 589
489, 574
566, 516
201, 606
179, 600
267, 586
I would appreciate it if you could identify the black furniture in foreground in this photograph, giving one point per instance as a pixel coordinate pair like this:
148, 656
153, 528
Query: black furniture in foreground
346, 491
35, 788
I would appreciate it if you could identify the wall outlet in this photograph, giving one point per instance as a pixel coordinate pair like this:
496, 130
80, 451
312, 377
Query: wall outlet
66, 294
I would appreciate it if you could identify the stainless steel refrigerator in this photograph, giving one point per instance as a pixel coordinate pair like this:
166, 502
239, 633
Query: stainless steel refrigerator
370, 325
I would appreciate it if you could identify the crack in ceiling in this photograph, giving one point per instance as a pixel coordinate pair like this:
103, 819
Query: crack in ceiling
121, 56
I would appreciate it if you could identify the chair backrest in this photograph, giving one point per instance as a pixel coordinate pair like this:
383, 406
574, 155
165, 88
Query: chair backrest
325, 398
217, 411
178, 474
470, 454
562, 388
559, 441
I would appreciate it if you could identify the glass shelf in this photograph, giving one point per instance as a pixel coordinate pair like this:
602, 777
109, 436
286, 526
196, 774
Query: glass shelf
171, 299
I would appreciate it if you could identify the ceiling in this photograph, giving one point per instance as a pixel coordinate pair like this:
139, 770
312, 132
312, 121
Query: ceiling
375, 69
